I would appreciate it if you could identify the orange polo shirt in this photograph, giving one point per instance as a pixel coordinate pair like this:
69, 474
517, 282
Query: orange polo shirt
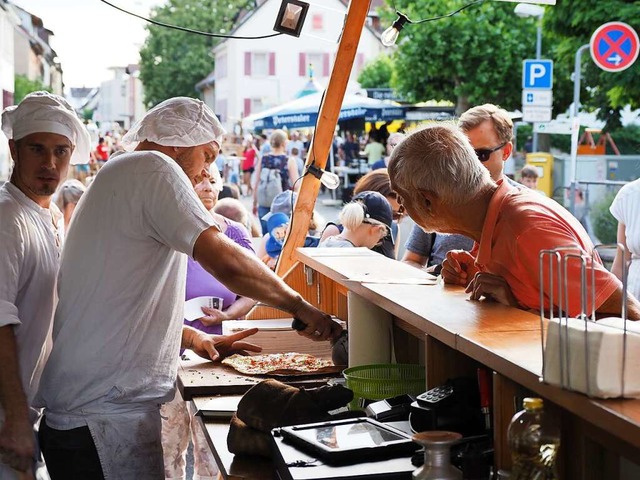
521, 223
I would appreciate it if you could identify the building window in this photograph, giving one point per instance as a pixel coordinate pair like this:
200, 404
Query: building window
252, 105
317, 22
221, 67
259, 64
221, 109
319, 62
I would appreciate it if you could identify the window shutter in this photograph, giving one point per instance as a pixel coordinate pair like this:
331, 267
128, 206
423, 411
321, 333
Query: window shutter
302, 67
272, 63
247, 63
325, 64
247, 107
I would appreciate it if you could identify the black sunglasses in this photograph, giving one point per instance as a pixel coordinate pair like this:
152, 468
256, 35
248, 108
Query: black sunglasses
483, 154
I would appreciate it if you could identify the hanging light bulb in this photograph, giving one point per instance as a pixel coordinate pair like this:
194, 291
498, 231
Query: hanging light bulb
390, 35
328, 179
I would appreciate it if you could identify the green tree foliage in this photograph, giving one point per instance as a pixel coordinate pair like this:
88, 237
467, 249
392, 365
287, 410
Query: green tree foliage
377, 73
567, 26
470, 58
172, 61
605, 226
23, 87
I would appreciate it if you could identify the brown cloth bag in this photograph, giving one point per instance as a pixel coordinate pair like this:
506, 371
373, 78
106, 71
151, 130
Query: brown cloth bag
271, 404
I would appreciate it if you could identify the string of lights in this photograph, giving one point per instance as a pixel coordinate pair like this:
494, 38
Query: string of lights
390, 35
184, 29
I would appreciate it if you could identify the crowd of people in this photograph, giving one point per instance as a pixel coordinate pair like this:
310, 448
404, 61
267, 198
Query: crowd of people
93, 280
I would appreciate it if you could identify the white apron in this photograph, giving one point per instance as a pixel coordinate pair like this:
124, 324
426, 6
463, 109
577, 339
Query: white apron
129, 444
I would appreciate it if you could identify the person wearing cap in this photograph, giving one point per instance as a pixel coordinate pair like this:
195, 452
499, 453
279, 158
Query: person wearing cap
118, 325
376, 181
366, 221
437, 176
45, 137
270, 246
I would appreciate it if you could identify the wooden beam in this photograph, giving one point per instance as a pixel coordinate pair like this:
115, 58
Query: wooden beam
323, 135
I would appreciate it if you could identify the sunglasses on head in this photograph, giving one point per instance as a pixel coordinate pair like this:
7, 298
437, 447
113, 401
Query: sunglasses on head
483, 154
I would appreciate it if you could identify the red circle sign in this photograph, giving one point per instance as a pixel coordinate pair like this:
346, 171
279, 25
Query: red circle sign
614, 46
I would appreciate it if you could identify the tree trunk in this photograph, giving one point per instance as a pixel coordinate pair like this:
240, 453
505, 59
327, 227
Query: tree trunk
462, 105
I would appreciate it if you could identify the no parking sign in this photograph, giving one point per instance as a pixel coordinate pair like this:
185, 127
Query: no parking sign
614, 46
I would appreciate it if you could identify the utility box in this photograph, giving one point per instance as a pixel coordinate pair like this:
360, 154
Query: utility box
544, 164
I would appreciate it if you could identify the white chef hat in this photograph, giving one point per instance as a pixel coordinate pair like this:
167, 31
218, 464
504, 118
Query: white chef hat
176, 122
49, 113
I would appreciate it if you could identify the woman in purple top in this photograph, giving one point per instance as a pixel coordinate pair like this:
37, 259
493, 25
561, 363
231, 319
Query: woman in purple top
178, 423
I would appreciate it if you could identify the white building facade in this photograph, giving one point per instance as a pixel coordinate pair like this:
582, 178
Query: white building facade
253, 75
120, 99
8, 23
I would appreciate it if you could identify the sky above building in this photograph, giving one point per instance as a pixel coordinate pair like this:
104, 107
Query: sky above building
90, 36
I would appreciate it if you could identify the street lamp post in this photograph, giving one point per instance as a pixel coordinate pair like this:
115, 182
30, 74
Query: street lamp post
530, 10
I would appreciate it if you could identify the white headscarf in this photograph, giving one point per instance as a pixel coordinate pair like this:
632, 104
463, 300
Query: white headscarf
176, 122
47, 113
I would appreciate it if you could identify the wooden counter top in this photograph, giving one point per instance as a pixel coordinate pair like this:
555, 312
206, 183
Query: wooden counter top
505, 339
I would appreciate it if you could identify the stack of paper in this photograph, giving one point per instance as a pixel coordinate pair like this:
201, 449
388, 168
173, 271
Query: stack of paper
591, 356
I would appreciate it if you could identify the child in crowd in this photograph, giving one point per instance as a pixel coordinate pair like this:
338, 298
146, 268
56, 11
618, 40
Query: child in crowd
366, 221
529, 178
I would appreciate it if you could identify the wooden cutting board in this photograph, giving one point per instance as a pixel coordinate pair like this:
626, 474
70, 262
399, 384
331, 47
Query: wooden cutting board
197, 376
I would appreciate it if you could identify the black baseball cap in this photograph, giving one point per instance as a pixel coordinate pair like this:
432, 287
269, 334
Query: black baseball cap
376, 207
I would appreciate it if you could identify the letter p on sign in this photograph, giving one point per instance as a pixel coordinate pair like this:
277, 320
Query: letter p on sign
537, 74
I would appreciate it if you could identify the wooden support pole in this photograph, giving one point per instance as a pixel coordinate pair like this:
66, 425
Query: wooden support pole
323, 135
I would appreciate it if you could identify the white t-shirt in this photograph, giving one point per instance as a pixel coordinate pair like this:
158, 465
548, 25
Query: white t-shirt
117, 328
28, 269
626, 209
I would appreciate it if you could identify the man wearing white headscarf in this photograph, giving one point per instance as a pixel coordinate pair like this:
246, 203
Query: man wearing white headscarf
45, 136
117, 328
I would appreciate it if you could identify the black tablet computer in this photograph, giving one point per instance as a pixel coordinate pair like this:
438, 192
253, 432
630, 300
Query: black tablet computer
352, 440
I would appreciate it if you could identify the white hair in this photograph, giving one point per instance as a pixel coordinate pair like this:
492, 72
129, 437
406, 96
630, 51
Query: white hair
438, 159
352, 215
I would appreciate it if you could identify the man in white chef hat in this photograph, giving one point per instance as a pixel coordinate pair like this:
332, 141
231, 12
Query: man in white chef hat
118, 326
45, 136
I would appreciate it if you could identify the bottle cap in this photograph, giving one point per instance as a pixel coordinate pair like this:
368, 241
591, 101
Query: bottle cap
532, 403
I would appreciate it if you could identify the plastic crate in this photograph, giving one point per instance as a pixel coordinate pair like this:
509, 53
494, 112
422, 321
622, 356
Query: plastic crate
380, 381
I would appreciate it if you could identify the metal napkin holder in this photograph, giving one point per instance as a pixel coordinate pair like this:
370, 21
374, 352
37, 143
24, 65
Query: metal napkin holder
572, 340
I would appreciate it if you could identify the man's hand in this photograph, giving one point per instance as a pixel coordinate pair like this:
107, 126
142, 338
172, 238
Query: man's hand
17, 444
458, 267
213, 316
492, 287
216, 347
319, 325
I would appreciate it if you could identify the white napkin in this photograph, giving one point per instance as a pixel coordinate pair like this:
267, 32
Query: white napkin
605, 363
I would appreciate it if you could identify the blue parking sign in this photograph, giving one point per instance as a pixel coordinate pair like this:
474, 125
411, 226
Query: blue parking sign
537, 74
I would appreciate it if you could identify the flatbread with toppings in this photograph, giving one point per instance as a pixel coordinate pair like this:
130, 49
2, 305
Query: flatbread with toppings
279, 364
